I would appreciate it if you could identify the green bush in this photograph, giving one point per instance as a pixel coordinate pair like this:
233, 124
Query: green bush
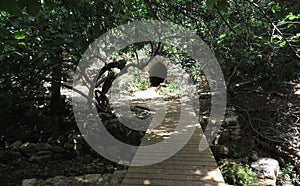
237, 173
171, 88
140, 84
286, 172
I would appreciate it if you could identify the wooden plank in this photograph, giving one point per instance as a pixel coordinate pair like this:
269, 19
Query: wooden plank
174, 167
166, 171
180, 163
186, 151
160, 176
137, 181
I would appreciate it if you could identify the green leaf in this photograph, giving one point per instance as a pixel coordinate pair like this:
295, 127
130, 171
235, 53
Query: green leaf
282, 44
276, 8
22, 44
19, 36
222, 36
291, 16
290, 25
298, 34
18, 53
278, 37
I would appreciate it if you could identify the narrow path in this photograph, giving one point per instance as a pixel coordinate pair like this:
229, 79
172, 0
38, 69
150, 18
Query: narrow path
188, 166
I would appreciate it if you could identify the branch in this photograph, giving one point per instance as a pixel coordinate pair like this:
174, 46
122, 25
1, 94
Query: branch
69, 87
157, 49
228, 25
274, 26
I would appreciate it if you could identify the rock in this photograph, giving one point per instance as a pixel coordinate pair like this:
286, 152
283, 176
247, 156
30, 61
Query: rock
16, 145
87, 180
69, 145
58, 149
31, 148
58, 152
37, 151
57, 180
106, 177
267, 167
30, 182
267, 170
40, 158
264, 182
44, 152
7, 156
254, 156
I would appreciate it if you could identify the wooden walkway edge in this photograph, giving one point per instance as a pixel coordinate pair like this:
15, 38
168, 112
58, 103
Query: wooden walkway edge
187, 167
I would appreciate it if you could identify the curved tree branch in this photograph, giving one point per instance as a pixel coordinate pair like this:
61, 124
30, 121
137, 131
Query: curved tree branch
274, 26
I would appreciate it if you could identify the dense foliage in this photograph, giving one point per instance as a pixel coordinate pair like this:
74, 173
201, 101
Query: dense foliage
257, 43
42, 41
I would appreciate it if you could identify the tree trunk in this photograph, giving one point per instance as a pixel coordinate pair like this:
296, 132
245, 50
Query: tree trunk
56, 103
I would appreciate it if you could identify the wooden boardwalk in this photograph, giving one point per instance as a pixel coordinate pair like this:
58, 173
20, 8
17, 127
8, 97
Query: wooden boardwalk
187, 167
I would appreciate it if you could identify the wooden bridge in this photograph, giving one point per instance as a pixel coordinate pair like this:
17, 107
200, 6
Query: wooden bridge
187, 167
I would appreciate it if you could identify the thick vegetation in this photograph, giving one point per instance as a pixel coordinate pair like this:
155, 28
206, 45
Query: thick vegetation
257, 43
43, 41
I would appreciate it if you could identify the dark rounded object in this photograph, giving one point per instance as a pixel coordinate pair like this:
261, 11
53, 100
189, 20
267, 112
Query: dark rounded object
156, 81
157, 73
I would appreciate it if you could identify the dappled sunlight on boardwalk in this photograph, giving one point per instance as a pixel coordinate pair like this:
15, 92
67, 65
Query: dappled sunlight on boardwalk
188, 166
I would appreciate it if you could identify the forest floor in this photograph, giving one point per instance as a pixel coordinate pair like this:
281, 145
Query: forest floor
268, 126
269, 118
